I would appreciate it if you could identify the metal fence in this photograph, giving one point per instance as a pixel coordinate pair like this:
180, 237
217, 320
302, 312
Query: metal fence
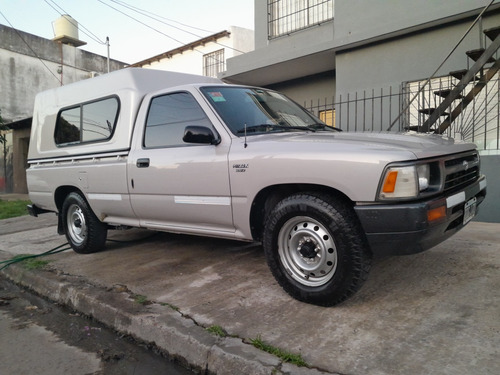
365, 111
376, 110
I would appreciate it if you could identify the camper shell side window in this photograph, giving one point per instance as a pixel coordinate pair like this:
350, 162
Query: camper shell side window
87, 122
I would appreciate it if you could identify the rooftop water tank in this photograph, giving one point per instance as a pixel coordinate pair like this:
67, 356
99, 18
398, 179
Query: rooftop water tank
66, 31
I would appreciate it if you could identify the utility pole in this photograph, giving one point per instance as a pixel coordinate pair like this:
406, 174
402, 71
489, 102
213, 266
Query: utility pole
107, 44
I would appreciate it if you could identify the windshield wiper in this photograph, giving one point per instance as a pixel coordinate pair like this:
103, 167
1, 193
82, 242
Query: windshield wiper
319, 126
270, 127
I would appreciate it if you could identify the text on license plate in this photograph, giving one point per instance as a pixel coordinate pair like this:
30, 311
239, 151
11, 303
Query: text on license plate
469, 210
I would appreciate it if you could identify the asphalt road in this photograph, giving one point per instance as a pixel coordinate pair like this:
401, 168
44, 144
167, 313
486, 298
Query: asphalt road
43, 338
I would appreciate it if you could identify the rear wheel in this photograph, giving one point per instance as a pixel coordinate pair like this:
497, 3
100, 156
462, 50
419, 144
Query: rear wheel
84, 232
315, 249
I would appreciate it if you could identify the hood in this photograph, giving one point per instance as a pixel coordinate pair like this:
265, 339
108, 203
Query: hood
420, 145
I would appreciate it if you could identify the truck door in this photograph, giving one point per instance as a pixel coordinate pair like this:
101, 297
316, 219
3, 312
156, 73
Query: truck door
173, 185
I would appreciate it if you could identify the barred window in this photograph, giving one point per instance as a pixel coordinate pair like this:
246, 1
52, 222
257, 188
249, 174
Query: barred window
328, 117
478, 122
213, 63
287, 16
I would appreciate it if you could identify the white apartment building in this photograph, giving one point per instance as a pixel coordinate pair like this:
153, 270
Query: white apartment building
206, 56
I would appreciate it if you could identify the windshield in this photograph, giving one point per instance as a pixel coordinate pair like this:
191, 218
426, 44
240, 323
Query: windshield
252, 111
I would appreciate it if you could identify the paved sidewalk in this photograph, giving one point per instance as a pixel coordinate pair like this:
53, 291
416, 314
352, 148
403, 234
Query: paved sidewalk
435, 312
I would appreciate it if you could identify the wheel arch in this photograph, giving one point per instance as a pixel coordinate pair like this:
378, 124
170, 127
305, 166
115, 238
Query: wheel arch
84, 231
268, 197
62, 192
59, 196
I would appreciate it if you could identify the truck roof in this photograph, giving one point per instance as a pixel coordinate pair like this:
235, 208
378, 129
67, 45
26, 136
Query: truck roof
130, 85
141, 81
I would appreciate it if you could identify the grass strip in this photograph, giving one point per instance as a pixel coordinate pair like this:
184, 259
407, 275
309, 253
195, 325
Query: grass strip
15, 208
295, 359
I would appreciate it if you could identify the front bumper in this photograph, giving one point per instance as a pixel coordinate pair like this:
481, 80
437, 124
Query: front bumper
400, 229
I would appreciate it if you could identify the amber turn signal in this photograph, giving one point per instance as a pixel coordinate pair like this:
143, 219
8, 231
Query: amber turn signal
390, 182
436, 213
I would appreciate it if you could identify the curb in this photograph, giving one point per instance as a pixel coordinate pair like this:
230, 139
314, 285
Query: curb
168, 329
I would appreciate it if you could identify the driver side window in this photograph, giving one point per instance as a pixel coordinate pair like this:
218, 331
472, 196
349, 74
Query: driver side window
168, 117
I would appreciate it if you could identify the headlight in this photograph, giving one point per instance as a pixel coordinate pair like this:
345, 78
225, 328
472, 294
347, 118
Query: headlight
424, 174
405, 181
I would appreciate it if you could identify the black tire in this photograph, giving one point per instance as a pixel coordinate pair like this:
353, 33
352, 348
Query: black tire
316, 249
83, 230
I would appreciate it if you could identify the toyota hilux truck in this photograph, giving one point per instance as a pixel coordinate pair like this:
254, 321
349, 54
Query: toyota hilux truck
190, 154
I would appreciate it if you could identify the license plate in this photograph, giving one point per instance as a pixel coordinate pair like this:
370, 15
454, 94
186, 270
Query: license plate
469, 210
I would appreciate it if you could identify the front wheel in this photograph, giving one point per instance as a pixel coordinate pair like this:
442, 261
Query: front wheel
315, 249
84, 232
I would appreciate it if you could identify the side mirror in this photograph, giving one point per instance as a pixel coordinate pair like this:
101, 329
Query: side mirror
200, 134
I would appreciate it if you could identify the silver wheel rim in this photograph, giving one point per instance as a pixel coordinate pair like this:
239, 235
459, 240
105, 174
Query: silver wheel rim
77, 227
307, 251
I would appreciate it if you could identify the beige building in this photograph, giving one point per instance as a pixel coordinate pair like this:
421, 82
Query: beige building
30, 64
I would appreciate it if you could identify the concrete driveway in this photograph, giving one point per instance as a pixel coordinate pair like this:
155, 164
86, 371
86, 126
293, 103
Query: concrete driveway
437, 312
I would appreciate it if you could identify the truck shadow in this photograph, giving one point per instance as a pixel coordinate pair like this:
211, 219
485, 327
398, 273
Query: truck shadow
406, 279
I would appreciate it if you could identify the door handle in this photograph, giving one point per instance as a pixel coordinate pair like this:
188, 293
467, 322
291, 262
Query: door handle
142, 163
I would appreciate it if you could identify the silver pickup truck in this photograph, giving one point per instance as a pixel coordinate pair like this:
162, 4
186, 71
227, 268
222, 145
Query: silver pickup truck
190, 154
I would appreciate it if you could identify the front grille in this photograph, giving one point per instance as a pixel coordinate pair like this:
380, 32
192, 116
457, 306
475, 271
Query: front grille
461, 171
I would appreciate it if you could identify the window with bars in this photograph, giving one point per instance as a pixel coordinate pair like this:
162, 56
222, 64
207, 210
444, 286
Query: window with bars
477, 122
288, 16
328, 117
213, 63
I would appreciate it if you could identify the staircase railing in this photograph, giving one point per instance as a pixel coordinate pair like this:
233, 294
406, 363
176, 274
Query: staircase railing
435, 114
454, 94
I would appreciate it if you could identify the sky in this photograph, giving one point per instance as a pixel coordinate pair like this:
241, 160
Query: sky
160, 25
